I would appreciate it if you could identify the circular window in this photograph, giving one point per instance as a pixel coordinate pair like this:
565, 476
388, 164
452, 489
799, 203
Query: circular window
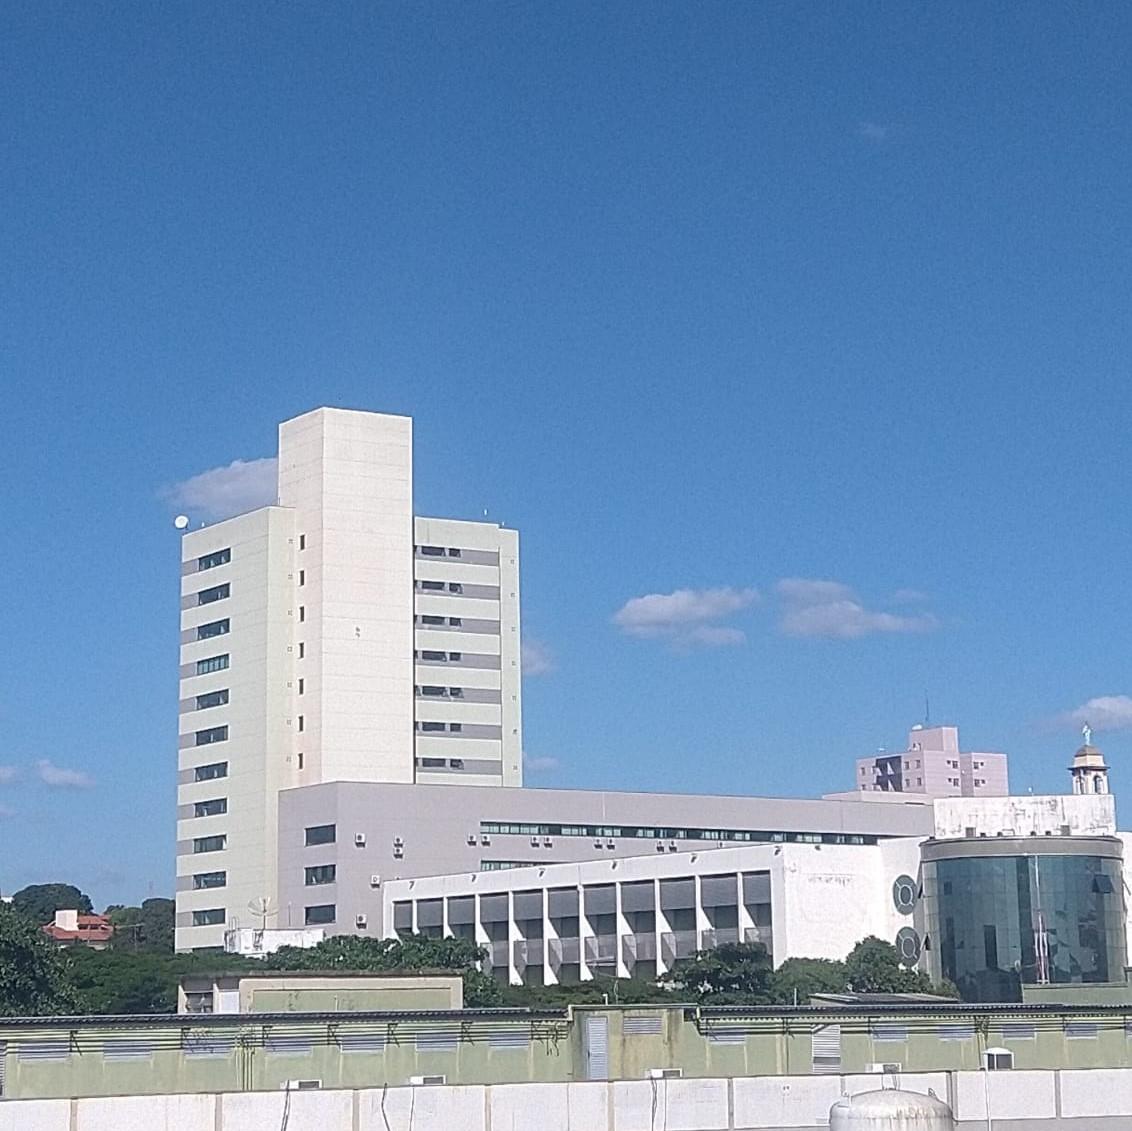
904, 894
908, 946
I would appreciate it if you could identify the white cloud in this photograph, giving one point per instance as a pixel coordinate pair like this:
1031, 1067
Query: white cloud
222, 492
829, 609
687, 616
537, 657
8, 773
61, 777
1105, 712
537, 763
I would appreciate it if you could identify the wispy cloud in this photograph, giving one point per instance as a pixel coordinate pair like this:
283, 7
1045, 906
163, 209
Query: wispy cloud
687, 617
538, 659
8, 773
873, 131
59, 777
1104, 712
817, 608
222, 492
538, 763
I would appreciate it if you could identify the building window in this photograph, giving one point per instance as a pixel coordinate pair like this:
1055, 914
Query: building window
212, 664
455, 763
216, 593
429, 728
455, 587
432, 763
302, 541
456, 622
433, 585
300, 759
321, 874
456, 692
319, 913
212, 808
432, 551
320, 834
433, 691
211, 735
453, 552
213, 628
302, 613
427, 655
209, 844
455, 728
302, 649
216, 558
455, 657
212, 917
432, 620
1081, 1030
302, 724
302, 577
211, 772
202, 881
212, 699
302, 686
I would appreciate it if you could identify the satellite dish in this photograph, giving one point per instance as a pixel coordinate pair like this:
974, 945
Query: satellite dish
181, 522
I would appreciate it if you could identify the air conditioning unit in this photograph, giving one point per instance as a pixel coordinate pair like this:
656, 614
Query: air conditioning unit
359, 920
485, 839
398, 854
398, 842
883, 1066
547, 842
610, 844
419, 1081
534, 842
375, 880
300, 1085
664, 1073
471, 838
360, 839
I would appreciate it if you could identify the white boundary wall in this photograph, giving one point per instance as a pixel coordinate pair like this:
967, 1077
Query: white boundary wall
1082, 1099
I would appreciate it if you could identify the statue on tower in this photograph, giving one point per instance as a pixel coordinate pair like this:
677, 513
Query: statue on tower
1087, 731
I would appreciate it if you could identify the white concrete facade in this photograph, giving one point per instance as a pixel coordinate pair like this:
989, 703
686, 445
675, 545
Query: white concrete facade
303, 632
638, 916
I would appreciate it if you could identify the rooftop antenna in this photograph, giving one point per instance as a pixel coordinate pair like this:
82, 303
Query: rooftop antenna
927, 710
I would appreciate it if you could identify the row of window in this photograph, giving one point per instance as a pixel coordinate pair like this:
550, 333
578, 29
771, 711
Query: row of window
212, 699
440, 763
210, 735
439, 586
431, 621
224, 1044
209, 917
209, 844
522, 829
211, 772
320, 874
427, 691
203, 881
212, 629
216, 807
435, 728
320, 834
435, 657
216, 593
216, 558
318, 914
212, 664
438, 551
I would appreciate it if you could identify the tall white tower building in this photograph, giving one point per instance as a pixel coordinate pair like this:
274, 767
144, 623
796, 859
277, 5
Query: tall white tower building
333, 638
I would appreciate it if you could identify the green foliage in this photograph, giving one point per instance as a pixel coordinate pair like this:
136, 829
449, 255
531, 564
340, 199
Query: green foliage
39, 902
797, 979
873, 967
33, 977
148, 928
616, 991
410, 953
732, 974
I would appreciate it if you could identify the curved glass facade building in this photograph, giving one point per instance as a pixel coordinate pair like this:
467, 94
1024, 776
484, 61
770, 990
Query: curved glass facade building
1004, 912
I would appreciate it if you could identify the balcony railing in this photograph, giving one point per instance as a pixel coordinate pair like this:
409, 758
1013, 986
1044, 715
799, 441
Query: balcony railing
601, 949
678, 944
718, 936
566, 951
635, 948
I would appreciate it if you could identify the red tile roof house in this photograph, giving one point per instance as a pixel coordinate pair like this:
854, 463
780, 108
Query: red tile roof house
72, 929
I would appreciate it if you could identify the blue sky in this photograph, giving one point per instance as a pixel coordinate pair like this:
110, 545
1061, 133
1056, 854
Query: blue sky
720, 301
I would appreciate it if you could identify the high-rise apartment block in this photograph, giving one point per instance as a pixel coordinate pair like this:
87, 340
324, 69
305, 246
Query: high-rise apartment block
934, 765
333, 637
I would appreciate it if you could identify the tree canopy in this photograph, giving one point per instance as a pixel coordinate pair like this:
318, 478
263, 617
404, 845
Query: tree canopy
873, 967
34, 981
732, 974
39, 902
798, 979
148, 928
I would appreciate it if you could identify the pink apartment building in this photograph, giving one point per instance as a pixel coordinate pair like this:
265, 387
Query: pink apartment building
934, 765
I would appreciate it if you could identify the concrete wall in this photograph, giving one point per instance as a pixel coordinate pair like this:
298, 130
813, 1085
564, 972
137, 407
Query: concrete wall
1074, 1100
1089, 815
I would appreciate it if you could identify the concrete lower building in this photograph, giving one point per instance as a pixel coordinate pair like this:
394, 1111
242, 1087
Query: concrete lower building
340, 842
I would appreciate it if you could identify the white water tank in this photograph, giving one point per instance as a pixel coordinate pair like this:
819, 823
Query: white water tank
890, 1110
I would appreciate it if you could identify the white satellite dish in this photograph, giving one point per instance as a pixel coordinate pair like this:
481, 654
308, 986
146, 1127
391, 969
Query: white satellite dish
181, 522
